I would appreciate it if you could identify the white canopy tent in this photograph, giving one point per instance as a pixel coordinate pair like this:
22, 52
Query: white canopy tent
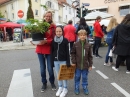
103, 22
93, 15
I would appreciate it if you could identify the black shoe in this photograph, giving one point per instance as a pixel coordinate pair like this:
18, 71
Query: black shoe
53, 87
98, 56
44, 86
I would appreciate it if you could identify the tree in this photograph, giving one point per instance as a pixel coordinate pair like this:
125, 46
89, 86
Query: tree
1, 16
30, 11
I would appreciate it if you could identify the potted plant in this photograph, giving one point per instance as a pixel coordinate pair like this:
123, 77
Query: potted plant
37, 29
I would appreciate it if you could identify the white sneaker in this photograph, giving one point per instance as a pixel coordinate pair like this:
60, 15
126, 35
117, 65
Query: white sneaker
128, 72
63, 94
106, 64
114, 68
59, 91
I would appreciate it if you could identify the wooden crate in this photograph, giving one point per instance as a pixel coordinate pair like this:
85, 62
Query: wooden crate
66, 73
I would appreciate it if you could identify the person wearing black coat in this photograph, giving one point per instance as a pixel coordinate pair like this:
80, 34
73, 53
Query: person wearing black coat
60, 56
121, 42
83, 25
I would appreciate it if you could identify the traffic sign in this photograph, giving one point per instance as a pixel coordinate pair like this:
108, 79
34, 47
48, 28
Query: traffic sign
20, 13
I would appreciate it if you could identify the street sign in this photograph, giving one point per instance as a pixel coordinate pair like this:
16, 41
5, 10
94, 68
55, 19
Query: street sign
20, 13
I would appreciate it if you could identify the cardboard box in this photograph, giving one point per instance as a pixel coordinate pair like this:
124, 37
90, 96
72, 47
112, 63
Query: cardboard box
66, 73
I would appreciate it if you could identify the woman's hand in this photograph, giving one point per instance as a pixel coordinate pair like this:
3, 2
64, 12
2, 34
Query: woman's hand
42, 42
32, 43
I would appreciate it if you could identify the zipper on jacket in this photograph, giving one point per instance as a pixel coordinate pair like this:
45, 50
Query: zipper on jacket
57, 52
82, 55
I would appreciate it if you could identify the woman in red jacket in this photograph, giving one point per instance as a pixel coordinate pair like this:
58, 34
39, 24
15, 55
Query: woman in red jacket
43, 51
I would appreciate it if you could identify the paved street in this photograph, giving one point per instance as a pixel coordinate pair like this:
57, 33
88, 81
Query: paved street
103, 81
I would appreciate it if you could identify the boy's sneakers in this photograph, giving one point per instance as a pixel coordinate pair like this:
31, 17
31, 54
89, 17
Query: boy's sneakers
77, 91
128, 72
63, 94
86, 92
106, 64
44, 86
53, 87
114, 68
59, 91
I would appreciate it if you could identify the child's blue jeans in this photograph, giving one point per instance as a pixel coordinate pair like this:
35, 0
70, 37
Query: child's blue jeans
78, 74
61, 83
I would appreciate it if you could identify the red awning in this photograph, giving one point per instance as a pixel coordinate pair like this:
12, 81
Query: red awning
10, 24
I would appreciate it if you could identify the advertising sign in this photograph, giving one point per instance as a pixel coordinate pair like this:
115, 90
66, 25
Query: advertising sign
17, 35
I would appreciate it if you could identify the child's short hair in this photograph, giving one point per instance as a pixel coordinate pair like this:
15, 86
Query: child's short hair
82, 32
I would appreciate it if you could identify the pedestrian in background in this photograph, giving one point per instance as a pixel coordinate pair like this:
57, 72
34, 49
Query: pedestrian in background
110, 33
69, 33
121, 42
81, 57
60, 56
43, 51
83, 25
98, 37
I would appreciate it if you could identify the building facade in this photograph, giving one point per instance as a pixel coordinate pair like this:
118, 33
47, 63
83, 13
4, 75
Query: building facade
118, 8
10, 9
61, 12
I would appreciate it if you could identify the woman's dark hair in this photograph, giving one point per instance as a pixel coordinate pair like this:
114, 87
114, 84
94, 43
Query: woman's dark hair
82, 21
126, 20
61, 28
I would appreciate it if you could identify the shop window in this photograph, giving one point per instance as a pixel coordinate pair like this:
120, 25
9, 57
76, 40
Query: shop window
60, 19
12, 15
36, 12
12, 6
49, 5
69, 10
124, 10
103, 10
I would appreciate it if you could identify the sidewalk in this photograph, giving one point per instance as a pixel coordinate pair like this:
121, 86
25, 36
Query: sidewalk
16, 46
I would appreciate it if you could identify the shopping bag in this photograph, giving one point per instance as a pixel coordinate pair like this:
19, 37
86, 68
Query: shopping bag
110, 53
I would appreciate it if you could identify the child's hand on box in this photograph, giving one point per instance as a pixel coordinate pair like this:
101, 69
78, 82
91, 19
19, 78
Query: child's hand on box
73, 64
90, 68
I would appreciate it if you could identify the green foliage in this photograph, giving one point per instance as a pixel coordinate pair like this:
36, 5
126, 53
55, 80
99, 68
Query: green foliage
30, 11
9, 20
1, 16
35, 26
44, 7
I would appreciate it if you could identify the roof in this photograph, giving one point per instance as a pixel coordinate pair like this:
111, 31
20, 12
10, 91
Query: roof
60, 2
3, 1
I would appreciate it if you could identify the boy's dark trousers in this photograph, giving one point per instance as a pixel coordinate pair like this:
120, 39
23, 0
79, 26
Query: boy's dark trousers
78, 74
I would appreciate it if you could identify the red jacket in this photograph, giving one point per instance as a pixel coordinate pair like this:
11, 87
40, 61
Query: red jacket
46, 48
69, 32
98, 30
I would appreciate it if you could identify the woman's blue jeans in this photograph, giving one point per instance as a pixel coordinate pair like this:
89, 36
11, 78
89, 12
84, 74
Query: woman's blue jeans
107, 55
61, 83
43, 59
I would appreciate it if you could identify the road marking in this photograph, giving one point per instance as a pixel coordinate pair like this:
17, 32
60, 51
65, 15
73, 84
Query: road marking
21, 84
121, 90
93, 67
101, 74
